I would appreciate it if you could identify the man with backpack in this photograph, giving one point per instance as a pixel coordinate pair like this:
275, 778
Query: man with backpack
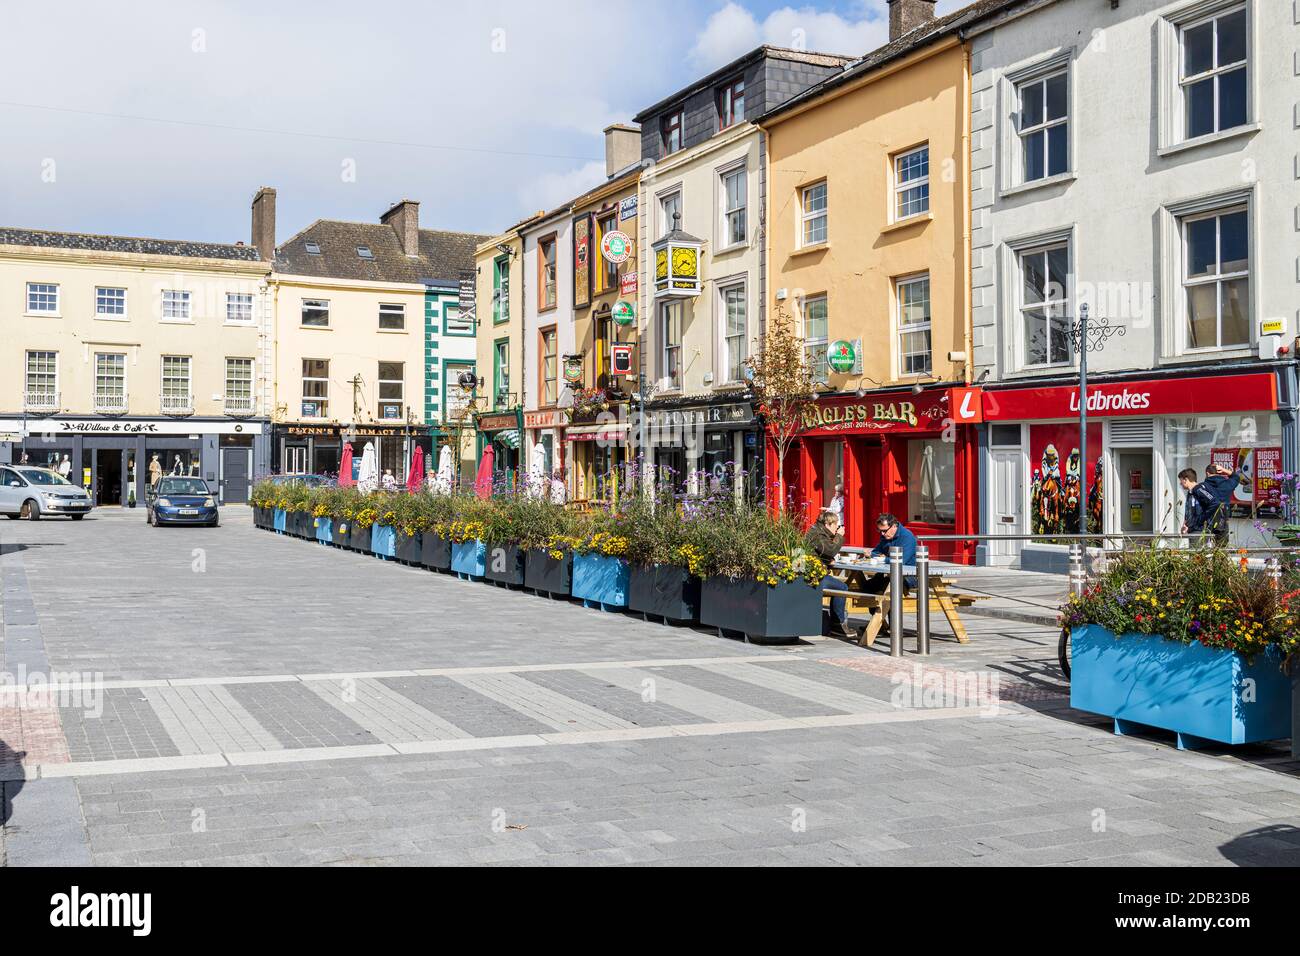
1209, 504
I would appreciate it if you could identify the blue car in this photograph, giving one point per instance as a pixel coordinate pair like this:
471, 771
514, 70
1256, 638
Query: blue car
177, 500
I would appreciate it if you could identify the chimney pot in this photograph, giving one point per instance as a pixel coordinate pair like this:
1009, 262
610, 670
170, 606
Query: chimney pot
404, 217
264, 223
622, 147
906, 15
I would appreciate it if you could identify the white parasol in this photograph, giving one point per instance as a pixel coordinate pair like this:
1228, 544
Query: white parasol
443, 482
537, 480
368, 477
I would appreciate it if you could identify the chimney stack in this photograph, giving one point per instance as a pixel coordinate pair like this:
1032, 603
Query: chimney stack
264, 223
404, 217
622, 147
906, 15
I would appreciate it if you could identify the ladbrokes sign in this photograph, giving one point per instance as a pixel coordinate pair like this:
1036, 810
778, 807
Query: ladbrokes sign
1209, 395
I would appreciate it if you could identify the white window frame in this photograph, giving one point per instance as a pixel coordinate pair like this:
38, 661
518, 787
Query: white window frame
234, 308
27, 373
807, 217
322, 400
666, 220
251, 366
110, 316
1022, 307
1023, 133
731, 213
726, 338
41, 290
177, 305
381, 401
392, 310
1216, 279
1216, 71
810, 343
96, 393
1172, 125
901, 188
319, 305
170, 388
453, 324
902, 329
670, 347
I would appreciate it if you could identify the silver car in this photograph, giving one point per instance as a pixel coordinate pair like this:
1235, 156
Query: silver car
32, 493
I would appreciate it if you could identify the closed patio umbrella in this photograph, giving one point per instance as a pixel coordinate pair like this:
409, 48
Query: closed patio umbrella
445, 479
416, 476
368, 478
483, 480
345, 466
537, 480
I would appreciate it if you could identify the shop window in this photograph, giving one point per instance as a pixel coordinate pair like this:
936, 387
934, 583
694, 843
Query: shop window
931, 485
1251, 443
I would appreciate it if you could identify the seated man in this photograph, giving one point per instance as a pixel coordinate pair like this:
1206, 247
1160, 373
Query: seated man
824, 540
892, 535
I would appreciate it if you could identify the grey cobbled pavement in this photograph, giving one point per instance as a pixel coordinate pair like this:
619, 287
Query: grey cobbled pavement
235, 697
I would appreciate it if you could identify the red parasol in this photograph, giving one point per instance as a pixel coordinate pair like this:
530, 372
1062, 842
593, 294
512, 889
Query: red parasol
483, 480
345, 467
416, 477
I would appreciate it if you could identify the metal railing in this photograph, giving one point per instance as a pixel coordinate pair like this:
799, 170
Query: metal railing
41, 401
239, 404
176, 404
110, 404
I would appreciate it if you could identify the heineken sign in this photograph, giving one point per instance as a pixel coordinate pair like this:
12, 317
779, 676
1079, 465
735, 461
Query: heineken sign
624, 312
842, 356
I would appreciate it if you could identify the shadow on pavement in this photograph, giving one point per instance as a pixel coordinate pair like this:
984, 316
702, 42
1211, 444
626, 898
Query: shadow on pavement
1275, 845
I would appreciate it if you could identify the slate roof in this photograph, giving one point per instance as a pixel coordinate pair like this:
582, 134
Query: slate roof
915, 39
88, 242
443, 255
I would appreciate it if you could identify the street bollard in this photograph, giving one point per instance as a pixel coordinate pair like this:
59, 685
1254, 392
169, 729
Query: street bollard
1078, 577
895, 602
922, 599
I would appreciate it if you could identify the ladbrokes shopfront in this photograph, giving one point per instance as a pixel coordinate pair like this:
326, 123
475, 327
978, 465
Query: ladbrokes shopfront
1141, 434
911, 455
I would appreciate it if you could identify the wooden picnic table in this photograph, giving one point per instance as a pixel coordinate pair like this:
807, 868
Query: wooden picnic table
856, 573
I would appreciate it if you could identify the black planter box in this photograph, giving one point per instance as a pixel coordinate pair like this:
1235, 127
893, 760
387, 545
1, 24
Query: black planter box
547, 575
435, 553
299, 524
760, 612
359, 537
339, 531
668, 591
264, 518
407, 547
505, 565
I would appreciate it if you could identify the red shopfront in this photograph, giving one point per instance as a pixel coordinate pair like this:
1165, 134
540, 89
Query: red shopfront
911, 455
1141, 434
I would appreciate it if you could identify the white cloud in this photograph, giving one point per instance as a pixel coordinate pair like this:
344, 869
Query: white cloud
550, 189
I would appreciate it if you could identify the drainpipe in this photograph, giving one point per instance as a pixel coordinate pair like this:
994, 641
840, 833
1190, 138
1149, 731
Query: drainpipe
967, 299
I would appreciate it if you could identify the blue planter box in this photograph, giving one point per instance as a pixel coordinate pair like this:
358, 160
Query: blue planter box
325, 530
383, 541
469, 558
1201, 693
599, 581
280, 519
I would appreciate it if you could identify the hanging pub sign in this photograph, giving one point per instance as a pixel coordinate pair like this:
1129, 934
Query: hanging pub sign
627, 209
573, 368
624, 312
468, 297
616, 246
628, 283
582, 261
845, 357
677, 270
620, 359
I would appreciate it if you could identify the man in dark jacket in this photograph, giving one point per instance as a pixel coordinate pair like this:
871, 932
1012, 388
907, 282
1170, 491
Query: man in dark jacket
1193, 512
1214, 496
824, 540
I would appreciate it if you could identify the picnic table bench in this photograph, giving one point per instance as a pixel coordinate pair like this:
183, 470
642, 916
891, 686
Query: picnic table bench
942, 597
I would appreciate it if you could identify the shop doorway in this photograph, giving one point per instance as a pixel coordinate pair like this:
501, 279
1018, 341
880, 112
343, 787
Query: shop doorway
1006, 502
1136, 492
108, 476
236, 469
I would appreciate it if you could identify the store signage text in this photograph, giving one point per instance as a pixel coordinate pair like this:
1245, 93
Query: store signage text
541, 419
1113, 402
627, 283
493, 423
1208, 395
875, 413
616, 246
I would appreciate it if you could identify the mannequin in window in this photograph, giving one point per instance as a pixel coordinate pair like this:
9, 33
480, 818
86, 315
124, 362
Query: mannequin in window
176, 465
65, 467
155, 471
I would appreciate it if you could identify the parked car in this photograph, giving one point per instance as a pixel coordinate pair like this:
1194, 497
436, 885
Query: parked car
311, 481
34, 493
181, 500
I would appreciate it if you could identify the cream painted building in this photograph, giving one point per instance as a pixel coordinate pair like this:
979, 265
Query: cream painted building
368, 337
122, 351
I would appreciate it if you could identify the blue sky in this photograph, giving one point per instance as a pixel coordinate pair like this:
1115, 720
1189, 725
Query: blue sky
162, 118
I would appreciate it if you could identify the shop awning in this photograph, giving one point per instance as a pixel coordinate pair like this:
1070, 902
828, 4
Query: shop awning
508, 437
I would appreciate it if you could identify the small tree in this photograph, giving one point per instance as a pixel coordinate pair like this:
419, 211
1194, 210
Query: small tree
784, 383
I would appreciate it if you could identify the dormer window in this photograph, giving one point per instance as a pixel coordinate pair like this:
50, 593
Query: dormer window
670, 127
313, 248
731, 104
364, 252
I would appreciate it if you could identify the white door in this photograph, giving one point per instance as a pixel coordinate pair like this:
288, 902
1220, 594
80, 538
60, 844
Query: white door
1006, 504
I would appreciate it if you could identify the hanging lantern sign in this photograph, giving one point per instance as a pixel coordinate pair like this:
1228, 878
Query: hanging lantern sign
573, 368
